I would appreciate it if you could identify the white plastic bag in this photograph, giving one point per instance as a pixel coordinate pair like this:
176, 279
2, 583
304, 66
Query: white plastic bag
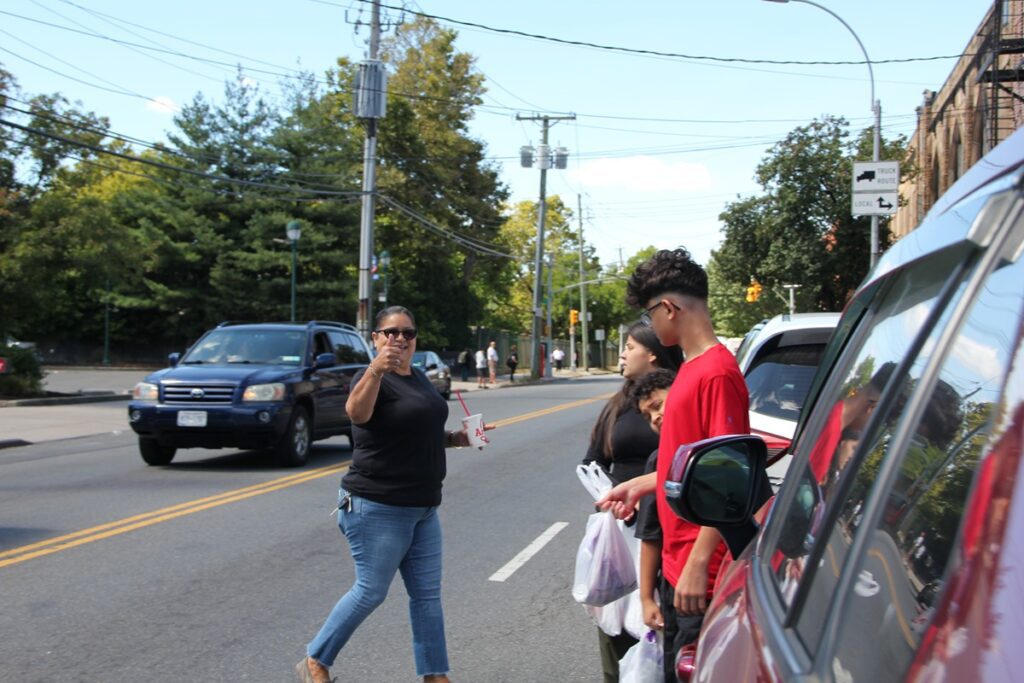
594, 479
605, 569
642, 663
609, 618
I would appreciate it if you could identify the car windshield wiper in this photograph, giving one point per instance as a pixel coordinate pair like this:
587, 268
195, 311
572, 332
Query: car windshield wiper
192, 362
234, 362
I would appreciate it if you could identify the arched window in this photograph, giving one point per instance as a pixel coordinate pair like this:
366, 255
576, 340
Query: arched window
936, 185
956, 154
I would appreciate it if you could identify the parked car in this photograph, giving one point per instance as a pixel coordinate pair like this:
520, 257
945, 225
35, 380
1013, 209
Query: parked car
779, 360
250, 385
892, 550
436, 370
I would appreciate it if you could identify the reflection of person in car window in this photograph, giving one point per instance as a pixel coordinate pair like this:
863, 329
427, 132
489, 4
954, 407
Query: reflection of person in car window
842, 431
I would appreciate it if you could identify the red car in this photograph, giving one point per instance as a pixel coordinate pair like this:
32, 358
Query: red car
895, 548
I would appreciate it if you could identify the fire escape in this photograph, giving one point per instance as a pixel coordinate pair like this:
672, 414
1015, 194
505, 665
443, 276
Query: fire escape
1001, 72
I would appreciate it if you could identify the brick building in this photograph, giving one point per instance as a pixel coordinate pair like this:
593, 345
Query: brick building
980, 105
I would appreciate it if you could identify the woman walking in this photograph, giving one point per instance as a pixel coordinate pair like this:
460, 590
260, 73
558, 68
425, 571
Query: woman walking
388, 501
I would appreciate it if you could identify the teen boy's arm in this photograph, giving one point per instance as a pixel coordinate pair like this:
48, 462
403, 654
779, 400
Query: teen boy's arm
622, 499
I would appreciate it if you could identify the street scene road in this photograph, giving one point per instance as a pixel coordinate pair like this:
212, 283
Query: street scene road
222, 566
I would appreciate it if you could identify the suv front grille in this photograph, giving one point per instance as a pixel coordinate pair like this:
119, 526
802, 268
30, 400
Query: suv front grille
198, 393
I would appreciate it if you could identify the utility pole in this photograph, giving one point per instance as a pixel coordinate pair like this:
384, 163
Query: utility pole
371, 100
583, 290
550, 329
538, 260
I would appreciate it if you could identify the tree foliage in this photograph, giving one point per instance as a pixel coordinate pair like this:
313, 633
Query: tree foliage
799, 230
181, 235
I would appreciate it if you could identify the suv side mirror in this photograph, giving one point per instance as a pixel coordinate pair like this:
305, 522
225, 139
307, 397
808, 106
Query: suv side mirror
173, 358
432, 366
325, 360
720, 482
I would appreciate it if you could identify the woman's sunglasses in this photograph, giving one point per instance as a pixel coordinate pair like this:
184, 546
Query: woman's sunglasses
407, 332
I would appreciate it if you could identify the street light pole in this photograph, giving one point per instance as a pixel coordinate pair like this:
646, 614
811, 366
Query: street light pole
876, 109
294, 232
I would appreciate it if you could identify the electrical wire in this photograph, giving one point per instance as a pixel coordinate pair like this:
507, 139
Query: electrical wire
638, 51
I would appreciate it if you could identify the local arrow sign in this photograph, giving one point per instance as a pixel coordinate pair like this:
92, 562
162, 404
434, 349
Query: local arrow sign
875, 188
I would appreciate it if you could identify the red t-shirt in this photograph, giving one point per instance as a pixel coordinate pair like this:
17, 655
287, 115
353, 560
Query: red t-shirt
825, 446
708, 398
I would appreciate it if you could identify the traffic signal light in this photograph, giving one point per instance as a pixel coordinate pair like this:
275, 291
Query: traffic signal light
753, 291
574, 316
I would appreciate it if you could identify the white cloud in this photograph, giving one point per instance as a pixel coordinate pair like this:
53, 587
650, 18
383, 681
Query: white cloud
162, 104
643, 174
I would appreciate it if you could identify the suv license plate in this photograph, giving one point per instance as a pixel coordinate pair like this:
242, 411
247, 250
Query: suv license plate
191, 418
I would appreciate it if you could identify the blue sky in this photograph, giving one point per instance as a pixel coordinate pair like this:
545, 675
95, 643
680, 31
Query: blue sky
659, 145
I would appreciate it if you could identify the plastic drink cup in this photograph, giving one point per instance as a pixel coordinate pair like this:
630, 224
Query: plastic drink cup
474, 425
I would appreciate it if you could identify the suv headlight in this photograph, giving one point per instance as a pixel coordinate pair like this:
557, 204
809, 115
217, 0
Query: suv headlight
264, 392
145, 391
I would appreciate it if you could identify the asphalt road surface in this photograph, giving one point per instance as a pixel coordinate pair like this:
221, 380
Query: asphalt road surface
221, 566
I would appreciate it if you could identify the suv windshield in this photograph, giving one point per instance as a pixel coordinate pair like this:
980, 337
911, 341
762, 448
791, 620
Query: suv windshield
780, 380
268, 347
419, 359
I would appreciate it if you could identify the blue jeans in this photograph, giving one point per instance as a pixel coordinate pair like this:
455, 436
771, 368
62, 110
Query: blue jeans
385, 539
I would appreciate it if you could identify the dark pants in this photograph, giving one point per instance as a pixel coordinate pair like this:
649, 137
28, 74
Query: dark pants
613, 648
680, 629
512, 371
465, 372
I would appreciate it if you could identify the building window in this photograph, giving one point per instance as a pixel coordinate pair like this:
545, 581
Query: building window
957, 155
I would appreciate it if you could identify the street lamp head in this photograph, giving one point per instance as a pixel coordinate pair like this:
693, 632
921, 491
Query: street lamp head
294, 231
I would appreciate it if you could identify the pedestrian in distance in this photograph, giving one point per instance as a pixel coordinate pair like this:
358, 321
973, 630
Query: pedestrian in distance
512, 362
389, 498
463, 363
708, 398
481, 368
492, 361
558, 355
621, 443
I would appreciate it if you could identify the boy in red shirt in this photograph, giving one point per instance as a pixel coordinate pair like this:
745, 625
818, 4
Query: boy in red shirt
708, 398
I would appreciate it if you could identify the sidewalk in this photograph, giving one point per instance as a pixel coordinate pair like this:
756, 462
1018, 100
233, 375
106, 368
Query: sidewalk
94, 402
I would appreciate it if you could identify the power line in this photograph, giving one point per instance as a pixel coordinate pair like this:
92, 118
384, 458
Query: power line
169, 167
655, 53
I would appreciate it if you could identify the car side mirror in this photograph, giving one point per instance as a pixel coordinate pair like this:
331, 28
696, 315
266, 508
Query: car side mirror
173, 358
720, 482
432, 366
325, 360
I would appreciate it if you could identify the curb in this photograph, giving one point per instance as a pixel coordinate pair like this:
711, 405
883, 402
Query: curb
85, 397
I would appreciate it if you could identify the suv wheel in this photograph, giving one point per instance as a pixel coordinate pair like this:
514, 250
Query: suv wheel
294, 447
155, 454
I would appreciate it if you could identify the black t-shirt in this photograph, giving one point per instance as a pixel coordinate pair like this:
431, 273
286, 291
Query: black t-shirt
398, 456
632, 441
648, 528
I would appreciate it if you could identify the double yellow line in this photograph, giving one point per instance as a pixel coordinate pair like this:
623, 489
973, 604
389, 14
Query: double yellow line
97, 533
121, 526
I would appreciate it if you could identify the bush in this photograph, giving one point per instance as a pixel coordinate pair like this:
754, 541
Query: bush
24, 376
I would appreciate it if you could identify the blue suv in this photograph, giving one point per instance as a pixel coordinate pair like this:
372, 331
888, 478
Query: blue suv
277, 386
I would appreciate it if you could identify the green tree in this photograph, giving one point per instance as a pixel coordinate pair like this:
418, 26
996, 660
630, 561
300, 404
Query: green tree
431, 165
799, 231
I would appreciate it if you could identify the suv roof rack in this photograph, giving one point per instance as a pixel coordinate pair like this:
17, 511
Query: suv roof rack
332, 323
311, 323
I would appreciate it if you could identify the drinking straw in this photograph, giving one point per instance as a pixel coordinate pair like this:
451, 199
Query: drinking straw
459, 394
